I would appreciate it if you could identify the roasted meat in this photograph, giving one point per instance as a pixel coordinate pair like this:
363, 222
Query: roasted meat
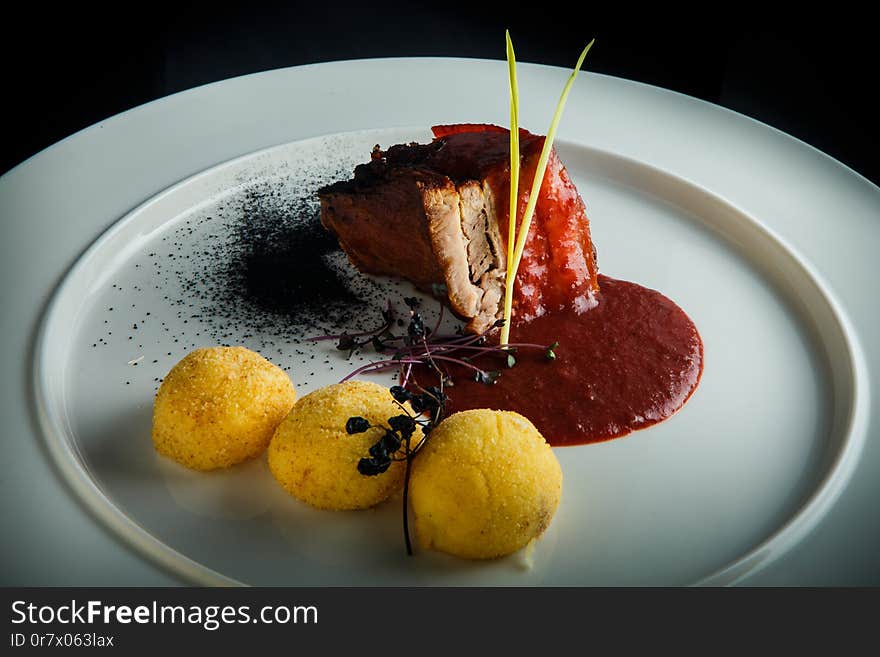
437, 213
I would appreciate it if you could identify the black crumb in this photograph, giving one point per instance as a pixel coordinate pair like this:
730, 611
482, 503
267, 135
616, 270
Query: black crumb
267, 270
258, 269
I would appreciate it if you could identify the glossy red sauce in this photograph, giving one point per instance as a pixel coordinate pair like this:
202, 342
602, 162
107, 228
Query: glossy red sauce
558, 268
628, 363
628, 357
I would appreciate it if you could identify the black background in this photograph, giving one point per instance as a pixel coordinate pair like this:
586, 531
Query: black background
497, 621
811, 75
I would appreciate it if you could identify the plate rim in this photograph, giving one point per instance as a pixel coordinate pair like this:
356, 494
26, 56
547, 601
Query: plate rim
431, 58
75, 475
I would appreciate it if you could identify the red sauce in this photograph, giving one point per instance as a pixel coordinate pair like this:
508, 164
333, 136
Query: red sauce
628, 356
628, 363
558, 267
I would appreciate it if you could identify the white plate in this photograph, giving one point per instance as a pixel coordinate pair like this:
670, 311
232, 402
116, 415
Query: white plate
767, 450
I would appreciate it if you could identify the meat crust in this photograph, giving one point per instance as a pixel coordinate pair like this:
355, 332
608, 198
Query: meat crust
436, 214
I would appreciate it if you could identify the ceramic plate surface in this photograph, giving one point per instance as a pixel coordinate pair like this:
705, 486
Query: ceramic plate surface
758, 479
750, 462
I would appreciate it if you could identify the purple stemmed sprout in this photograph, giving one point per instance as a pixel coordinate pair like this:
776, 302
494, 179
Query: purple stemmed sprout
419, 346
424, 346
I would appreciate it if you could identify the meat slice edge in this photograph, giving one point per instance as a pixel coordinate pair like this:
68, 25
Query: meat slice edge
426, 229
435, 216
485, 251
382, 226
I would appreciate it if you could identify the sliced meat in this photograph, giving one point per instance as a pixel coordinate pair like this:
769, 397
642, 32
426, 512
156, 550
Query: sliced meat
437, 214
486, 253
382, 227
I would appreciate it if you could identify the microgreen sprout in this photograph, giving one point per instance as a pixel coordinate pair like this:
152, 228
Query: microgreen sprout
396, 440
422, 346
352, 342
419, 346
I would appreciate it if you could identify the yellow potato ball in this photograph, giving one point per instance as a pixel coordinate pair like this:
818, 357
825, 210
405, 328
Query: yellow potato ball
315, 459
485, 485
220, 406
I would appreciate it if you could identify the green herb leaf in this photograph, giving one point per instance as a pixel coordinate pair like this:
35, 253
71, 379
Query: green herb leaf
514, 184
487, 377
523, 232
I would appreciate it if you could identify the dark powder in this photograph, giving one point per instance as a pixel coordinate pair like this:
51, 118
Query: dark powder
256, 268
267, 269
281, 262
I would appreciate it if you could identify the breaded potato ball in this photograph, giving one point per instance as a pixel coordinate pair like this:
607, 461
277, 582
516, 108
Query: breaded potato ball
315, 459
220, 406
484, 485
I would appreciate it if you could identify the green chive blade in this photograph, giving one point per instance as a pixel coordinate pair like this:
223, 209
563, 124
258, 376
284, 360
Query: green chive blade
514, 185
541, 168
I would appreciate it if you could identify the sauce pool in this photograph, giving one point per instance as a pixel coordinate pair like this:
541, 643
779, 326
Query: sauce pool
628, 363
